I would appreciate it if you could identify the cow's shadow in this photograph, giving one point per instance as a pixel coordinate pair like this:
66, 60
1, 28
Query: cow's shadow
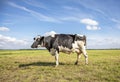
39, 64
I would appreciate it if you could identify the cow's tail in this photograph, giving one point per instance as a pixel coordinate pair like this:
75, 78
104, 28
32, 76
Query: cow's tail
85, 40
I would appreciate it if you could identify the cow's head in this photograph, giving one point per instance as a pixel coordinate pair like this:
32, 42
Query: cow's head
38, 41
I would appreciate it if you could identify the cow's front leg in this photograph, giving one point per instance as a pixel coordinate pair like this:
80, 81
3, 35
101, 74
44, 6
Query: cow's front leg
56, 58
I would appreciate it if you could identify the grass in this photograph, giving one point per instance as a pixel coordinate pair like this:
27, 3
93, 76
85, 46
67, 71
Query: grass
38, 66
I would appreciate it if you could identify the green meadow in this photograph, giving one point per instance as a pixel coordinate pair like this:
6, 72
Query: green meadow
38, 66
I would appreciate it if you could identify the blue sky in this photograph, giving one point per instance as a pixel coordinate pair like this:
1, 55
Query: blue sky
21, 20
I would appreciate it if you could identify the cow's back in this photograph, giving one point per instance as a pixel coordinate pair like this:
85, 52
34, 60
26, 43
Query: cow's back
63, 40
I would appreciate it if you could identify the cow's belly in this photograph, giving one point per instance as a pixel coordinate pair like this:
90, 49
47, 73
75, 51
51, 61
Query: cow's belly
75, 48
67, 50
61, 49
64, 49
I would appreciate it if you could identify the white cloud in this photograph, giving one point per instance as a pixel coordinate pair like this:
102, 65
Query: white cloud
115, 20
37, 15
7, 42
35, 3
50, 33
88, 27
71, 8
4, 29
103, 42
90, 24
69, 18
89, 21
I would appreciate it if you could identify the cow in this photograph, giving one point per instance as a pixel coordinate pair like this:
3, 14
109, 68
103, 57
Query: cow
66, 43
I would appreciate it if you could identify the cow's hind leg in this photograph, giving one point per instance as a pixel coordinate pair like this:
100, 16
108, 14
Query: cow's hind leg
85, 55
78, 57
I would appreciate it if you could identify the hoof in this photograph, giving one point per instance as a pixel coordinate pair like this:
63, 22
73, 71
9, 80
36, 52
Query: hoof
76, 63
56, 65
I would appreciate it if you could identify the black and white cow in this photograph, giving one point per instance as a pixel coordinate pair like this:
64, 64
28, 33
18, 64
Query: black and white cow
66, 43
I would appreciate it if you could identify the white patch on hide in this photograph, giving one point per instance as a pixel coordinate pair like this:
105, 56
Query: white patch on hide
64, 49
80, 44
38, 46
75, 45
37, 37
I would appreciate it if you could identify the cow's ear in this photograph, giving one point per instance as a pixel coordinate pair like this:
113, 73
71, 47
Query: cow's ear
33, 38
42, 38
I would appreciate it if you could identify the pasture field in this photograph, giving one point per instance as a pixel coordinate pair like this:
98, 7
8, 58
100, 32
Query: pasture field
38, 66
